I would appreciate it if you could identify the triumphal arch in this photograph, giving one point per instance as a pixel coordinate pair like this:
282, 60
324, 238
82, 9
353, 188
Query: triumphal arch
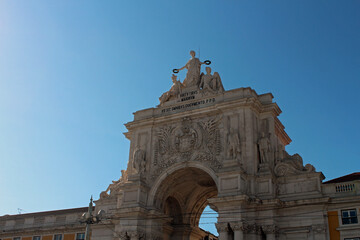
204, 145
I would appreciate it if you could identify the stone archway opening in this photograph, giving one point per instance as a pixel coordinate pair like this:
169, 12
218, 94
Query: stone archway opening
208, 219
182, 197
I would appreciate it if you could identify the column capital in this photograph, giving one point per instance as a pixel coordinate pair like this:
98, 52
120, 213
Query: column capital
222, 227
251, 228
236, 226
270, 229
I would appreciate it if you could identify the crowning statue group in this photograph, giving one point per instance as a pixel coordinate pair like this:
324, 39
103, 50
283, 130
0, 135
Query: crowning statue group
194, 80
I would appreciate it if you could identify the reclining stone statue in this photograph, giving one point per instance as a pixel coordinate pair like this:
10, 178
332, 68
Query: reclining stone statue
174, 91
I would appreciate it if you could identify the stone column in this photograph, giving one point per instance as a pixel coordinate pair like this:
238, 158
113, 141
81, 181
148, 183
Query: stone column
238, 229
270, 231
223, 230
252, 231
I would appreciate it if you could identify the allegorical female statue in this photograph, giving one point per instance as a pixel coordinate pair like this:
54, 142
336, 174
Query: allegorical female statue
193, 73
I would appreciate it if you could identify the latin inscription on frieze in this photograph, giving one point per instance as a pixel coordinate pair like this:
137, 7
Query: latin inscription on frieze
188, 105
188, 96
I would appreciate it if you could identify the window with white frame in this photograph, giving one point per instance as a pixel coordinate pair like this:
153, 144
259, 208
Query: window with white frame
36, 238
58, 237
356, 238
80, 236
17, 238
349, 216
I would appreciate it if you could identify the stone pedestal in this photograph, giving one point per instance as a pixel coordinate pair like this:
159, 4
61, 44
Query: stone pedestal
264, 168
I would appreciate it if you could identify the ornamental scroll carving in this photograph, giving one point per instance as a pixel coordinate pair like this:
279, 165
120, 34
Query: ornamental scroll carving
188, 141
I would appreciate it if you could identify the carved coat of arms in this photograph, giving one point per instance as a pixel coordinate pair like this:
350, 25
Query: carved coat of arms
188, 141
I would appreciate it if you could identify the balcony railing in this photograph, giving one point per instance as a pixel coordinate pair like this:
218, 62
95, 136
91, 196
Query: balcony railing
350, 187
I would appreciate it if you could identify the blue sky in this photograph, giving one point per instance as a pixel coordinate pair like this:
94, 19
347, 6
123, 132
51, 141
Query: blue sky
73, 72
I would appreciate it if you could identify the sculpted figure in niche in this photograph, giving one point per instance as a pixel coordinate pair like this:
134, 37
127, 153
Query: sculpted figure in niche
264, 148
234, 149
193, 74
174, 91
211, 83
139, 160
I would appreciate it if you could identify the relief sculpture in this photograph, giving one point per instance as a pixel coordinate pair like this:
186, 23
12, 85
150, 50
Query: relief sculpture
292, 165
186, 137
188, 141
139, 160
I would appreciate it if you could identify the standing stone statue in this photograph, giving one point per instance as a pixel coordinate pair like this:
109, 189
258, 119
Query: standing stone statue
234, 149
174, 91
264, 148
139, 160
124, 176
193, 74
211, 83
